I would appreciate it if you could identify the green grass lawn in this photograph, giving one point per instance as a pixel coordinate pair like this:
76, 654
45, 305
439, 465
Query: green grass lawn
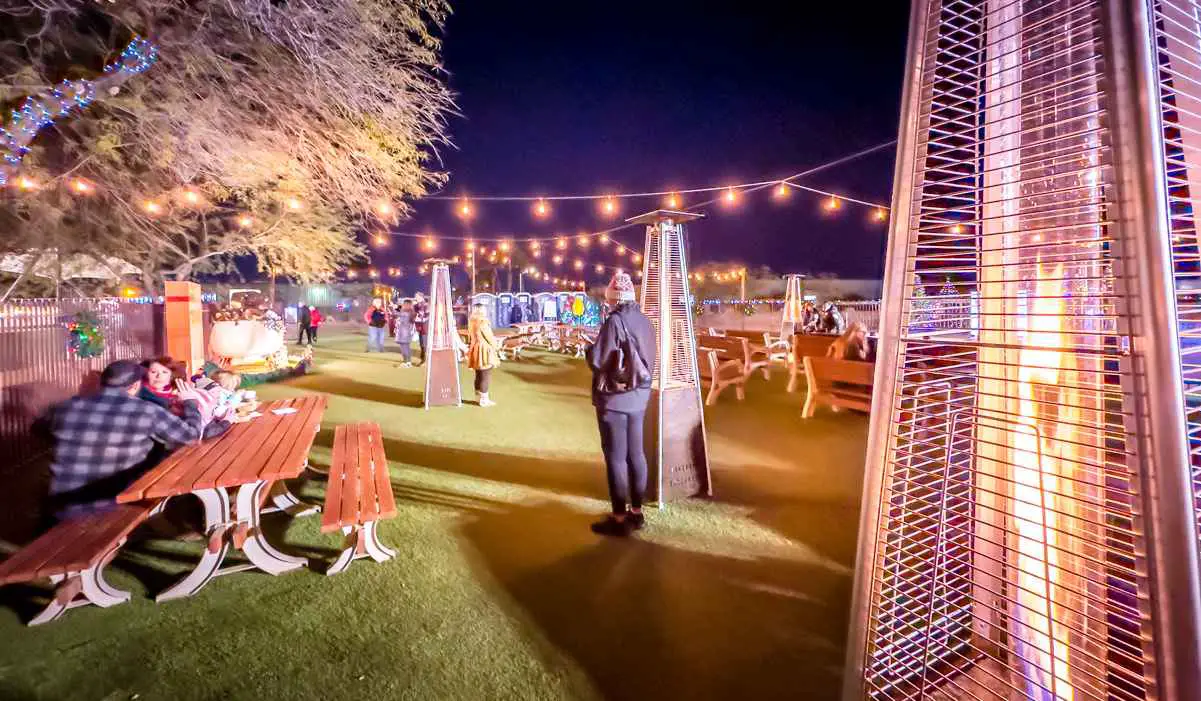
499, 589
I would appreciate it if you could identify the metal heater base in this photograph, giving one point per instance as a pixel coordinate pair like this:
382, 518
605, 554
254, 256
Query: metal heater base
677, 452
442, 379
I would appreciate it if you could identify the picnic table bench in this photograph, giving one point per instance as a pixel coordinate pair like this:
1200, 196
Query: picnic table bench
73, 555
252, 458
720, 367
761, 347
513, 344
837, 383
359, 494
806, 345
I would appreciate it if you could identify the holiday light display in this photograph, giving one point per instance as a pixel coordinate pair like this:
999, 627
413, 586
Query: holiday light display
40, 111
85, 337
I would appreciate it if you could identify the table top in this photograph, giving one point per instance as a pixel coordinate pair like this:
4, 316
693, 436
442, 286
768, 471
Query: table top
268, 447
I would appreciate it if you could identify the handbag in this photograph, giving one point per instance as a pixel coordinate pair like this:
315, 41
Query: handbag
627, 371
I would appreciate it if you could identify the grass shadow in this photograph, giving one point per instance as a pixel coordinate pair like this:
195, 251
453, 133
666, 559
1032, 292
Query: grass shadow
352, 389
637, 615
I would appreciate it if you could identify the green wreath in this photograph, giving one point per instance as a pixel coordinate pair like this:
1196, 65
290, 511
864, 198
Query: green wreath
85, 338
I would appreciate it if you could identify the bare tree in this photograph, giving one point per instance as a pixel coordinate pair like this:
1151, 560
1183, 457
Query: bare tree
267, 128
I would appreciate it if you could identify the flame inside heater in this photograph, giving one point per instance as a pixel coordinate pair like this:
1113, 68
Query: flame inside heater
1040, 455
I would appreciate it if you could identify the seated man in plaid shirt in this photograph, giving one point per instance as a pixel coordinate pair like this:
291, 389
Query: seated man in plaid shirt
103, 442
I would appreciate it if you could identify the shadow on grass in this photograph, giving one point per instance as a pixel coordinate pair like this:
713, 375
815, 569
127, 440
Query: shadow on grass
566, 377
341, 386
641, 617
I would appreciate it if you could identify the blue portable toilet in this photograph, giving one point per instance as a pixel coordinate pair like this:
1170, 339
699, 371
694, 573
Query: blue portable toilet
489, 301
523, 308
504, 310
546, 307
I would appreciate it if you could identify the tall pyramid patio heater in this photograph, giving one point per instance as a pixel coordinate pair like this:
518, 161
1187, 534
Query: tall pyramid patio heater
441, 359
1024, 532
794, 302
676, 446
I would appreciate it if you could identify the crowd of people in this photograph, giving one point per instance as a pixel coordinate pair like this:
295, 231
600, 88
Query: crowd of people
109, 435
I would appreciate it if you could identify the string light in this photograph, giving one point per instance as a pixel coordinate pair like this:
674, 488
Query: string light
541, 209
579, 264
384, 209
381, 240
600, 268
191, 197
673, 201
832, 204
429, 243
604, 238
26, 184
731, 196
152, 207
504, 246
374, 273
583, 240
561, 243
621, 250
956, 229
537, 253
351, 274
781, 191
81, 187
637, 258
609, 206
294, 204
879, 214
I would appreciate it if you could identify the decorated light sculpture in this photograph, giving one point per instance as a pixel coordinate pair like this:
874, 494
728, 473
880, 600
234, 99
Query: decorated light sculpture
441, 355
1024, 533
677, 448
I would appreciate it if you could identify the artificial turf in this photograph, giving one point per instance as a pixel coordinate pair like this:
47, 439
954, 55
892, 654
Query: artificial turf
499, 590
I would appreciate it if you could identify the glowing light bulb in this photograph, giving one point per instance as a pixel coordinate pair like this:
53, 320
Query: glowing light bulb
535, 245
191, 197
351, 274
637, 258
604, 238
152, 207
609, 206
541, 209
537, 253
557, 260
781, 191
880, 214
505, 260
81, 186
956, 228
465, 210
384, 208
429, 243
673, 201
244, 221
381, 240
26, 184
504, 246
583, 241
561, 243
621, 249
469, 245
579, 264
600, 268
731, 196
832, 203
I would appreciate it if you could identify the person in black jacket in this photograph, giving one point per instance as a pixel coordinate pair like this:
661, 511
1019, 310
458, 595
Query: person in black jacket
304, 322
622, 360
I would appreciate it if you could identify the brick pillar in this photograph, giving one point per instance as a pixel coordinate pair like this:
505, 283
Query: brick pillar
184, 324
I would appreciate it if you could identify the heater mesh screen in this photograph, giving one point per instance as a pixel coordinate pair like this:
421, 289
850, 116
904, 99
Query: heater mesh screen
665, 295
1008, 533
1177, 28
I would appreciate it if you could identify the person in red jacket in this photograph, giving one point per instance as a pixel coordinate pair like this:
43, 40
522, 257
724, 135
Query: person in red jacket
315, 320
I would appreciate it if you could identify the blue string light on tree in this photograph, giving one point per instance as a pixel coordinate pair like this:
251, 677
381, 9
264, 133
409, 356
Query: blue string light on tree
40, 111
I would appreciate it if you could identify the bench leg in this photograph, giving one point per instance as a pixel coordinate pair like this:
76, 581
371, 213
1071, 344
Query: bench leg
82, 588
284, 500
792, 375
256, 548
810, 405
361, 541
216, 523
740, 391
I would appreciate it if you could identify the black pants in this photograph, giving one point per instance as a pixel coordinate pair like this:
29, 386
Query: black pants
312, 334
305, 330
625, 459
482, 379
421, 340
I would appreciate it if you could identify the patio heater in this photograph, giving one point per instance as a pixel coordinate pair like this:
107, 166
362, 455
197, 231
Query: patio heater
794, 301
1024, 534
441, 359
676, 446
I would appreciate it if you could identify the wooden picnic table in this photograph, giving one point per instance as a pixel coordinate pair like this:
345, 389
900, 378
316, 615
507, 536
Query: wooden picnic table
251, 457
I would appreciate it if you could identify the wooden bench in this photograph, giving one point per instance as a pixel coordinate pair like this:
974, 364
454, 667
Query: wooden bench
73, 555
359, 494
806, 345
760, 343
513, 344
720, 369
736, 347
837, 383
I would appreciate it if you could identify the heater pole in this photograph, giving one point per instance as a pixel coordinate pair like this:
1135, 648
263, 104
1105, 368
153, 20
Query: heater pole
892, 300
1171, 561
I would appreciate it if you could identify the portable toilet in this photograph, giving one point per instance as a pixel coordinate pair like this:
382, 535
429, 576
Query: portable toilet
523, 308
546, 307
504, 309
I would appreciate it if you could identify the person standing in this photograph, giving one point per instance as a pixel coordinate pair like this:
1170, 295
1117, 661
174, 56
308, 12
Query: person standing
421, 321
304, 322
482, 353
315, 320
377, 325
622, 359
404, 333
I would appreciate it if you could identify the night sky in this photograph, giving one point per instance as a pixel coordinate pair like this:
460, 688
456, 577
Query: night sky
560, 97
